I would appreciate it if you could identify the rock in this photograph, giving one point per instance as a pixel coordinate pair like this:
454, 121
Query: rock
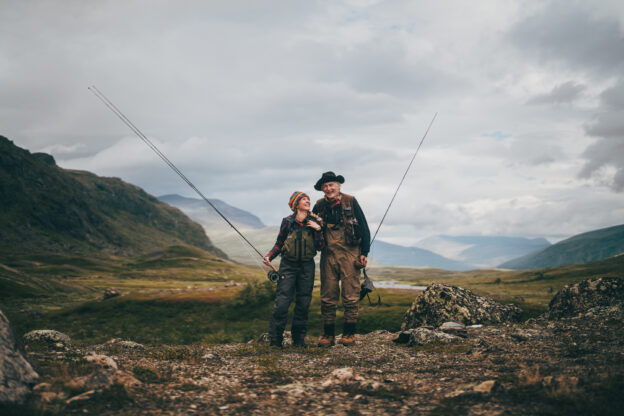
126, 379
424, 336
209, 356
578, 298
486, 387
48, 337
441, 303
454, 328
16, 374
111, 292
342, 376
104, 370
125, 344
264, 338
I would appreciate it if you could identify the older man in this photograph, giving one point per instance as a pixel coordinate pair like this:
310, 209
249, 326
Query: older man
347, 243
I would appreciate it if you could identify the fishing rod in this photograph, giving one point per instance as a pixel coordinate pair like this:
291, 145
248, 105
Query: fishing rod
367, 284
403, 178
273, 274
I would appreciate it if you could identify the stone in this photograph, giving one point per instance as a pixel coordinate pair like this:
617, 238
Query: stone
52, 339
125, 344
264, 338
487, 387
341, 376
111, 292
126, 379
104, 370
16, 374
582, 298
425, 336
454, 328
441, 303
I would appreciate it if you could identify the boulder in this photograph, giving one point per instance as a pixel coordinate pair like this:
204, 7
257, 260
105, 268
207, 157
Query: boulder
103, 372
454, 328
441, 303
48, 337
111, 292
16, 374
598, 294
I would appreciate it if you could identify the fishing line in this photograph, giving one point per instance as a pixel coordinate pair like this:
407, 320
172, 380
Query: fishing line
403, 178
152, 146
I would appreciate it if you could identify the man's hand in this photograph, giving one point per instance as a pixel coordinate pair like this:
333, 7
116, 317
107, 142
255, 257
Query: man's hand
266, 261
363, 260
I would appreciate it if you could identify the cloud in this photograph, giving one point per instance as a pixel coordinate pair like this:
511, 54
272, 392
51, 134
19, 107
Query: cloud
561, 94
605, 157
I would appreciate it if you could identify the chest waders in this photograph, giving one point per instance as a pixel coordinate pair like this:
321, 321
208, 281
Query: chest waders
297, 271
338, 267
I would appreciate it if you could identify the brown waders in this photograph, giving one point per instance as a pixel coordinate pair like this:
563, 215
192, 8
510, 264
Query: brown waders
337, 265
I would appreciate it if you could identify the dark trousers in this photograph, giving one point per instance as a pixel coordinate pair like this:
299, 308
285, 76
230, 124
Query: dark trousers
297, 283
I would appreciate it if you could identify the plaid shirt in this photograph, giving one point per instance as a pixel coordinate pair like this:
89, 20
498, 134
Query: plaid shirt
319, 240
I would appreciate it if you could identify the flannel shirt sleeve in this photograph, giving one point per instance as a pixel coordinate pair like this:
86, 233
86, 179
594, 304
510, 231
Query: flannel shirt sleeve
319, 240
279, 243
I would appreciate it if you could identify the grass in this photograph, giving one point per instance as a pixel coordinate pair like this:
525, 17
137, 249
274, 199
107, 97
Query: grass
177, 295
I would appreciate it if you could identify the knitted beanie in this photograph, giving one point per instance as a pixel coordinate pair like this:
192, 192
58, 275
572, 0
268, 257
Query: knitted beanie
294, 200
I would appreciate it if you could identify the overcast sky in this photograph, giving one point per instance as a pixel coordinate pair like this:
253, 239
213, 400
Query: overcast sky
255, 99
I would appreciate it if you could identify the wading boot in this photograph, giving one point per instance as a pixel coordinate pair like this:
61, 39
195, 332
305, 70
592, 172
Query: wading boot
328, 339
276, 343
348, 334
298, 337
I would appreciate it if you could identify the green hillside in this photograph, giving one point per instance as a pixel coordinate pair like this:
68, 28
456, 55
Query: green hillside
45, 208
582, 248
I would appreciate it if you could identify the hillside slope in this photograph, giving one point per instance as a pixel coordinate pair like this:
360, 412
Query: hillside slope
395, 255
581, 248
47, 208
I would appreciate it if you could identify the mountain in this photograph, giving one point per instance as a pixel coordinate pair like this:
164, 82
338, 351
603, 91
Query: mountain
200, 211
482, 251
395, 255
581, 248
47, 208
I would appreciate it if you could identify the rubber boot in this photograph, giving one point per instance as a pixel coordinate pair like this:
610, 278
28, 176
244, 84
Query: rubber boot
328, 339
348, 334
298, 337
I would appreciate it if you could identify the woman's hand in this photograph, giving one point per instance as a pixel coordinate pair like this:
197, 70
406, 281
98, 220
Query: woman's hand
266, 261
313, 224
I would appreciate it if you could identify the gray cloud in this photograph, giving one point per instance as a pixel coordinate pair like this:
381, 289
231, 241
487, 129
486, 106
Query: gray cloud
561, 94
573, 33
605, 157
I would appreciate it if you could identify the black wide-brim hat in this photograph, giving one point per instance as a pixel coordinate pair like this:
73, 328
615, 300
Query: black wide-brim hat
328, 177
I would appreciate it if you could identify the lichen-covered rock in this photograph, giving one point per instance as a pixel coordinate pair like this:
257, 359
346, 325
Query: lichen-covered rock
16, 374
50, 338
425, 336
111, 292
441, 303
125, 343
580, 298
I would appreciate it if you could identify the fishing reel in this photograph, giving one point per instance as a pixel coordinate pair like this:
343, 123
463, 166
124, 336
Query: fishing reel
274, 276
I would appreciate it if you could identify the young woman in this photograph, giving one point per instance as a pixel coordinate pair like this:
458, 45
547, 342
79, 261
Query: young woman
299, 238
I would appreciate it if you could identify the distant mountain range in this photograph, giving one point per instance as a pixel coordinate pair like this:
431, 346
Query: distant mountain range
200, 211
581, 248
482, 251
49, 209
388, 254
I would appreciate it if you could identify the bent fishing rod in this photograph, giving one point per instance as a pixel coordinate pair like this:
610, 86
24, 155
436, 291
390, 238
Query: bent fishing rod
401, 183
273, 275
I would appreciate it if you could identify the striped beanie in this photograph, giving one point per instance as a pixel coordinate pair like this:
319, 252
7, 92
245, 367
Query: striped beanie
294, 199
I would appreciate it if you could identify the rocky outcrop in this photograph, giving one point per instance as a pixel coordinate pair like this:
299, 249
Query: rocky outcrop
593, 297
48, 338
16, 374
425, 336
441, 303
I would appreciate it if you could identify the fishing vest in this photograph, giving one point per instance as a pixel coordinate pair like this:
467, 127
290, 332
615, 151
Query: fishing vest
351, 226
299, 243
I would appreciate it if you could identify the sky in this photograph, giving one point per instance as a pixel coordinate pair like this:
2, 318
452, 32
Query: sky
253, 100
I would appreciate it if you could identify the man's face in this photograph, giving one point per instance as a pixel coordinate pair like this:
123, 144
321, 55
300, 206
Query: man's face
331, 189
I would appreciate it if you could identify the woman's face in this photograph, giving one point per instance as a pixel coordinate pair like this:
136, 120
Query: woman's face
304, 204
